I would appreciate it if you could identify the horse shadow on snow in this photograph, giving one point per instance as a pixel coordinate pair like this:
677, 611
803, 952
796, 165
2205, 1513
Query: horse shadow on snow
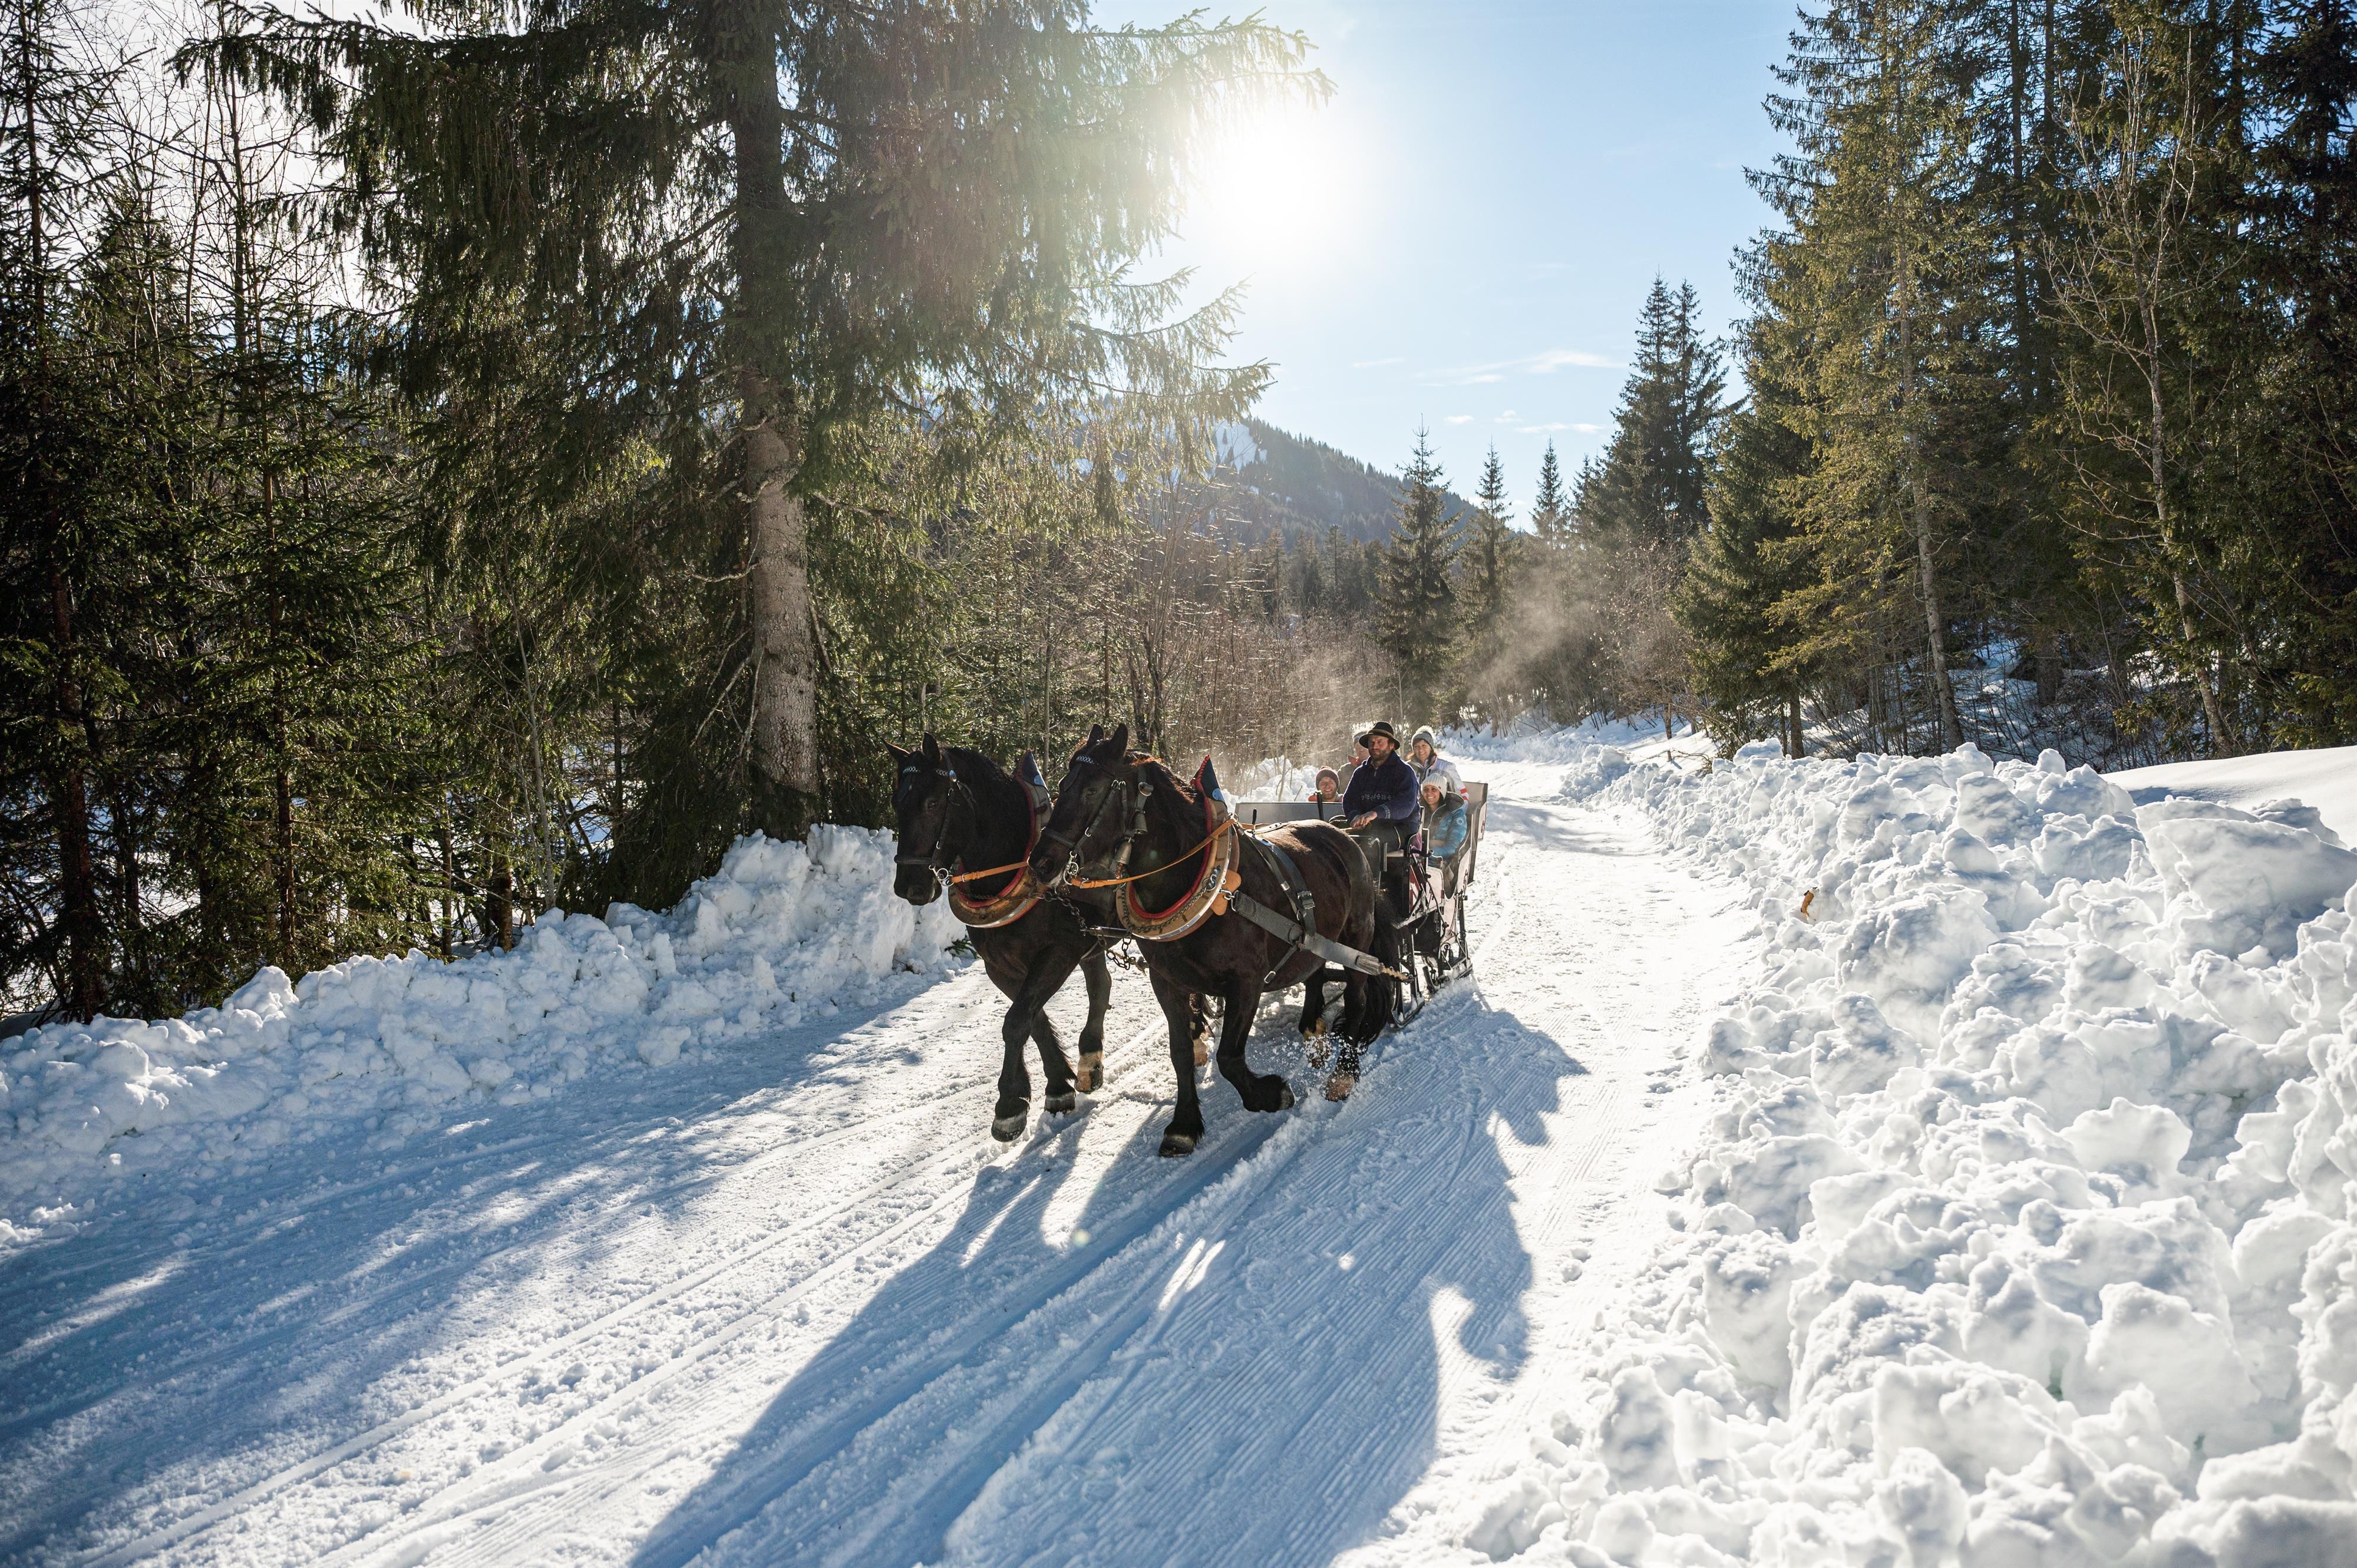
1260, 1385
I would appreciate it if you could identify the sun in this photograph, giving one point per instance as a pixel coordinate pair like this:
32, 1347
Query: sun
1276, 188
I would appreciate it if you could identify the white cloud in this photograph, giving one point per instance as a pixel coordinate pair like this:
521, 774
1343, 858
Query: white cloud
1540, 364
1589, 429
1459, 418
1556, 359
1547, 429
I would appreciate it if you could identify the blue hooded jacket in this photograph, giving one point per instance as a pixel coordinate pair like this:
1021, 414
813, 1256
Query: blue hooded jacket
1388, 789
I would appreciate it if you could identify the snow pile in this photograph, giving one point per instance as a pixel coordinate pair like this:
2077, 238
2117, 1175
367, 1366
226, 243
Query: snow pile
2023, 1232
1528, 740
781, 931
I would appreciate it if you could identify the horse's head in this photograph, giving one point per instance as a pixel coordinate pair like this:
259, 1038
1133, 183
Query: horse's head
935, 814
1093, 806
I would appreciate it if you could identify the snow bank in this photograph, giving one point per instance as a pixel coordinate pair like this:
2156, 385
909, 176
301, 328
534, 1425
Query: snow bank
386, 1047
2023, 1232
2326, 780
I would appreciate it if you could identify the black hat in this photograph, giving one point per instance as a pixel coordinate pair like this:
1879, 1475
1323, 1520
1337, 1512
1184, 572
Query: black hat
1381, 727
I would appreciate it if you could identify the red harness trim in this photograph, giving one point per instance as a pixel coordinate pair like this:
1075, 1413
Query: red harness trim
1194, 886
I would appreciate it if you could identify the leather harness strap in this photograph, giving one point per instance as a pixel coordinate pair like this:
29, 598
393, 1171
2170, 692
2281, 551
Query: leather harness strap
1302, 934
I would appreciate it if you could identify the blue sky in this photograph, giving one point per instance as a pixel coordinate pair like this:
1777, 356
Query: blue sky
1463, 235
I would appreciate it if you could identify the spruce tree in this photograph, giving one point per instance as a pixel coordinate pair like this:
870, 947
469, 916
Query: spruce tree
1749, 558
1487, 565
1650, 487
1417, 618
1551, 515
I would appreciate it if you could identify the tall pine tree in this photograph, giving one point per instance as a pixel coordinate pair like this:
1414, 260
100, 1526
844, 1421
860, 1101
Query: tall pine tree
1417, 618
1650, 487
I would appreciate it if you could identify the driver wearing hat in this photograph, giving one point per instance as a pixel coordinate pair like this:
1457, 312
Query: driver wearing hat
1382, 801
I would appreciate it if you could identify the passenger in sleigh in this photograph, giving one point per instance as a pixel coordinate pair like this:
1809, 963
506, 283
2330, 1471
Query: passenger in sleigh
1446, 828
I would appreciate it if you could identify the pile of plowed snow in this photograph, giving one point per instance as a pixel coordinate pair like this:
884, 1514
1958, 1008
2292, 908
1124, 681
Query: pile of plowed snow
2022, 1231
382, 1049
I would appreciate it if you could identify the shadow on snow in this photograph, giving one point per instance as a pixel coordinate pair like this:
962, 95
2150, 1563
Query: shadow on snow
1259, 1387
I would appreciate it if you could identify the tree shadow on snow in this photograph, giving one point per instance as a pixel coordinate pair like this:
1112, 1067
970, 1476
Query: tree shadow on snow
1260, 1387
1535, 822
179, 1341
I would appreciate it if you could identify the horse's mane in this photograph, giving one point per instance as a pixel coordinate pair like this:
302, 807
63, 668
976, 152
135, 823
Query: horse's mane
961, 758
1184, 788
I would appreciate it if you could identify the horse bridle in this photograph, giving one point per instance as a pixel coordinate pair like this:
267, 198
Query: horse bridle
1122, 790
932, 859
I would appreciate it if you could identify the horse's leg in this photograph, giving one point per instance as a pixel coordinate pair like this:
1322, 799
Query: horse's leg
1199, 1013
1313, 1001
1178, 1010
1062, 1080
1014, 1108
1259, 1091
1099, 980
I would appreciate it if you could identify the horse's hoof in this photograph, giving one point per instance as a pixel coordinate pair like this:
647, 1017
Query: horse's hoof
1284, 1097
1090, 1076
1312, 1029
1317, 1053
1062, 1104
1177, 1146
1339, 1087
1007, 1129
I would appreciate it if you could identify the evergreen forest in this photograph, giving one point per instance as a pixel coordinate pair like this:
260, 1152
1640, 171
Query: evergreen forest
493, 461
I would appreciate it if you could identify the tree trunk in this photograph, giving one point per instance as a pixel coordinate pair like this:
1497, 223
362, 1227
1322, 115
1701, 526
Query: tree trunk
78, 878
2165, 521
499, 904
785, 682
69, 803
783, 730
1795, 740
1952, 733
2046, 655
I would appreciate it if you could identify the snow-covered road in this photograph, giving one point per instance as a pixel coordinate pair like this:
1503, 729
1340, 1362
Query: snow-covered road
788, 1303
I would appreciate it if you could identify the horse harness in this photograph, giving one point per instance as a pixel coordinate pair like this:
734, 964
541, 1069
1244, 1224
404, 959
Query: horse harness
1300, 933
1021, 893
1218, 888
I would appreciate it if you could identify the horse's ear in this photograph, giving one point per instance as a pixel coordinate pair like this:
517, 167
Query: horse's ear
1096, 735
1206, 781
900, 755
1118, 742
933, 750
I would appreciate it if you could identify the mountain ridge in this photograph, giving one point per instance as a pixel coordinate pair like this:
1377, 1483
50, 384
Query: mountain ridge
1272, 481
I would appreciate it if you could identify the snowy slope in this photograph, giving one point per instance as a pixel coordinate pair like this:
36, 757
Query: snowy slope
2019, 1231
2326, 780
372, 1052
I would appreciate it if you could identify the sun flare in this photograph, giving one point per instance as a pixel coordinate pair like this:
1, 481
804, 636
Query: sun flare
1274, 188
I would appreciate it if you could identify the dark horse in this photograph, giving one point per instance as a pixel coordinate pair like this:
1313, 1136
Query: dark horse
1117, 815
957, 808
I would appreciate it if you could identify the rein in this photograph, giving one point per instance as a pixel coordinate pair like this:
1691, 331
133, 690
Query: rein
1210, 839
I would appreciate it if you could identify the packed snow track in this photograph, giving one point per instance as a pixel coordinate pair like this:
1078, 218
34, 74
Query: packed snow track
787, 1302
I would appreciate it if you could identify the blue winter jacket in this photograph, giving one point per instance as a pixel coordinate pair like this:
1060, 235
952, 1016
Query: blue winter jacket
1387, 789
1444, 835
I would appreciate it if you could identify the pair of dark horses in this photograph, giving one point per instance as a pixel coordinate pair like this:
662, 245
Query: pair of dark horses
1123, 815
